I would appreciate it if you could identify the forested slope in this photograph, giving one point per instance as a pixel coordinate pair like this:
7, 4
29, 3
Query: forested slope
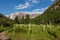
52, 14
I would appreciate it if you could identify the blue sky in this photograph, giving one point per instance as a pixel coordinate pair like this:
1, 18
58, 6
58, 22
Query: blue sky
12, 6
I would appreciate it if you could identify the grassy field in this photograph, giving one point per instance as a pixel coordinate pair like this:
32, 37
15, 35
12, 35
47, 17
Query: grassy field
34, 32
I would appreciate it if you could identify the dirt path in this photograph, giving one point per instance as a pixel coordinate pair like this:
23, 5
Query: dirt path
3, 36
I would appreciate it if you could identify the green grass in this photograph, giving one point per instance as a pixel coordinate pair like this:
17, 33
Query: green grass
34, 32
3, 28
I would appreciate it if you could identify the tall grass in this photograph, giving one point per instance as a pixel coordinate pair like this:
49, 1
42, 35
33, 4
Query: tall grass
34, 32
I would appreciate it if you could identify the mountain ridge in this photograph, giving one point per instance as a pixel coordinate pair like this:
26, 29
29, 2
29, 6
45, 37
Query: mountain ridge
21, 14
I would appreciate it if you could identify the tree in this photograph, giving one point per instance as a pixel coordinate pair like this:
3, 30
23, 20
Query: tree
22, 20
27, 19
51, 15
4, 21
17, 20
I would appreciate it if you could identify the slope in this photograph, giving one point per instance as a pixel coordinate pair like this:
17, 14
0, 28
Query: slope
52, 14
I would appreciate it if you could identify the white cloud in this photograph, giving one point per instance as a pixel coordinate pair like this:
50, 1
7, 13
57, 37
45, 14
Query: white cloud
28, 3
36, 11
39, 10
35, 1
22, 6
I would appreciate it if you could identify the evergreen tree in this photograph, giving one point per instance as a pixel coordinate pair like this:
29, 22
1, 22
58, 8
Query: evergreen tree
52, 14
17, 20
4, 21
27, 19
22, 20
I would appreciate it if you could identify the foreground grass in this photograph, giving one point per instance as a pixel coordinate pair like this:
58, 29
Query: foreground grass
34, 32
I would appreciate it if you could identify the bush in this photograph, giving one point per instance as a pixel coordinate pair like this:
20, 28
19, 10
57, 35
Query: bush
1, 29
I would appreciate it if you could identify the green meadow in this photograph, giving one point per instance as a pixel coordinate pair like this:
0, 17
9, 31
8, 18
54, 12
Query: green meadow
34, 32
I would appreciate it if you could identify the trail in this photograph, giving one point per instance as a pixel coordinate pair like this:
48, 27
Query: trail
3, 36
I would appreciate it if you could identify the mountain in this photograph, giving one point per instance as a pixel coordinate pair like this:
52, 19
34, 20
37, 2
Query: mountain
21, 14
13, 15
52, 14
33, 15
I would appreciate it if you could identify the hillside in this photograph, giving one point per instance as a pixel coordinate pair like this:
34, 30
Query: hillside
52, 14
4, 21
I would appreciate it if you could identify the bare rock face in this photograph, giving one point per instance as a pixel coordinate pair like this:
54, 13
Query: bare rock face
55, 5
20, 15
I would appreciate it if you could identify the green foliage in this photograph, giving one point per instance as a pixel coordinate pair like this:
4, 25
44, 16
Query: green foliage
52, 33
34, 32
1, 29
2, 16
18, 29
27, 19
22, 20
4, 21
17, 20
51, 15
